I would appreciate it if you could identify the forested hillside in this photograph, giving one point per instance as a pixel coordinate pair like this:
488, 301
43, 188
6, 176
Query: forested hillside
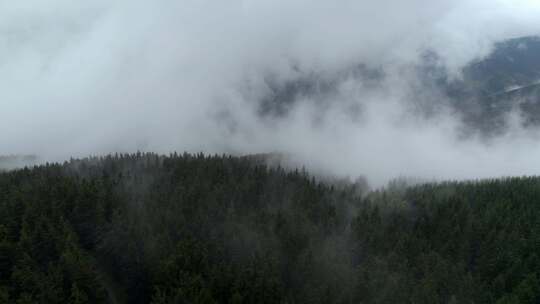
145, 228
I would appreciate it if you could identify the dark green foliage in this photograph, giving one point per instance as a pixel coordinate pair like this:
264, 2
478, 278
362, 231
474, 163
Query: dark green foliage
462, 242
145, 228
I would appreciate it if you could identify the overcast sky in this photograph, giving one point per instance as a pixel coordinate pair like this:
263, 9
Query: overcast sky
80, 78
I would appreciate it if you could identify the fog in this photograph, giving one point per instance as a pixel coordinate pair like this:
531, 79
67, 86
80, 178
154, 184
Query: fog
119, 76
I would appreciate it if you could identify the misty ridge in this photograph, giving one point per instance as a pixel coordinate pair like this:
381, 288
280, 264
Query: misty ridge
270, 151
17, 161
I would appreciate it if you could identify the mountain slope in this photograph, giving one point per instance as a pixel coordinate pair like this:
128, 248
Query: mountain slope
220, 229
487, 93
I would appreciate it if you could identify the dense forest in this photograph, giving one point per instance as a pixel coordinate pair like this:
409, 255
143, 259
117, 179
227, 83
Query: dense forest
145, 228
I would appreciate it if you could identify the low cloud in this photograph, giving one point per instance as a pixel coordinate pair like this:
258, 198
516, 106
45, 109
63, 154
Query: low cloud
100, 77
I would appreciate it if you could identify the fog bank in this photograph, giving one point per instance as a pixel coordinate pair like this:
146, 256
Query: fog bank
93, 78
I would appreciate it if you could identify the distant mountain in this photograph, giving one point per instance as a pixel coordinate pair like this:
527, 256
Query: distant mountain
507, 80
489, 89
317, 87
515, 62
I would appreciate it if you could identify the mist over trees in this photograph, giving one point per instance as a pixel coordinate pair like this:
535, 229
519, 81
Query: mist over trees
146, 228
17, 161
352, 151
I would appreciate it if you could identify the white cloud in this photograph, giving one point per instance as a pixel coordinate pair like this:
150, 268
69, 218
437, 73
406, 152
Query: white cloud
97, 77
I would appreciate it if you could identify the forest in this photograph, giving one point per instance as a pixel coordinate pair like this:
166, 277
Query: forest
195, 228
